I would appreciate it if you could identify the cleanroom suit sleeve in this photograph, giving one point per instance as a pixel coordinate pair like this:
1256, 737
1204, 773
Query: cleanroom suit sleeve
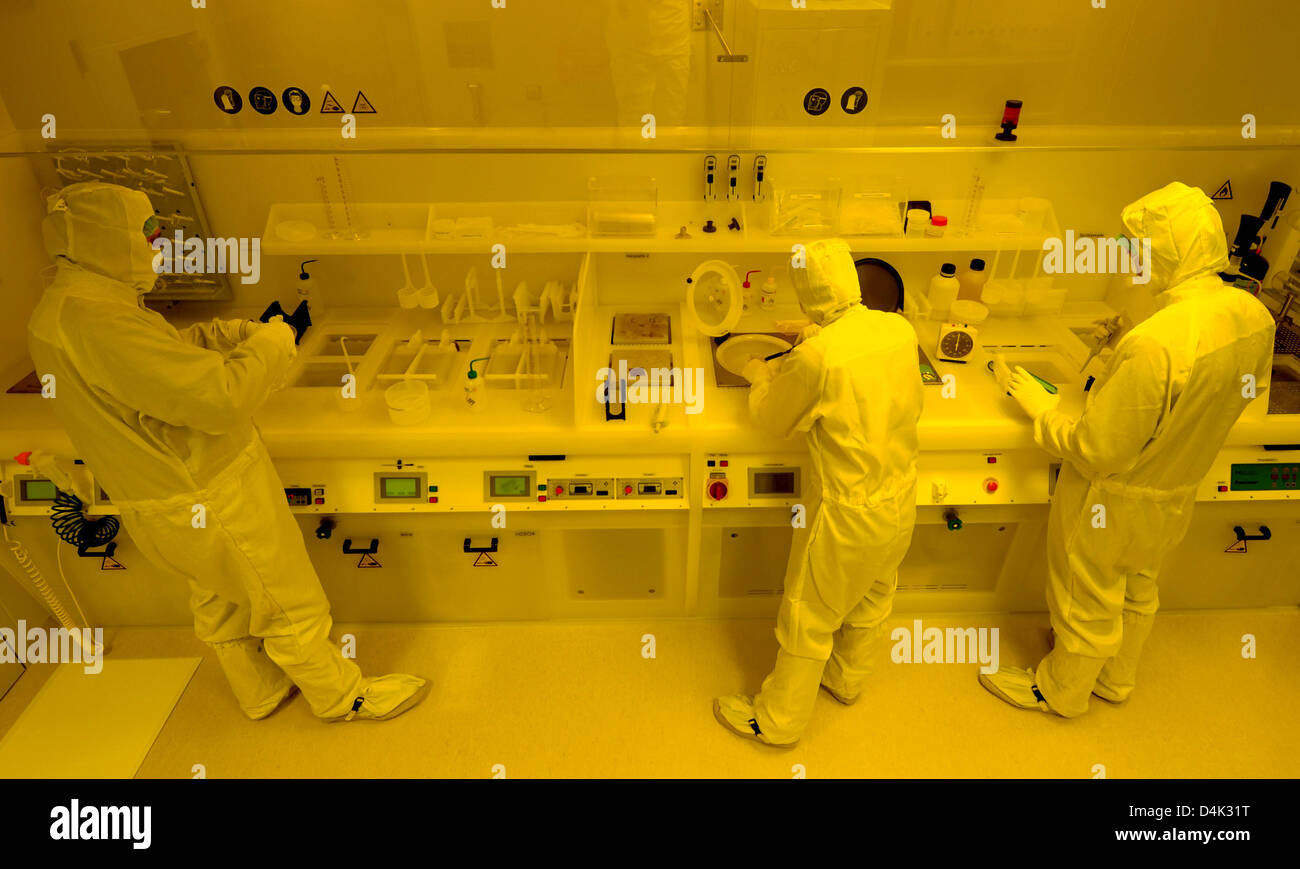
220, 335
1121, 417
152, 372
789, 400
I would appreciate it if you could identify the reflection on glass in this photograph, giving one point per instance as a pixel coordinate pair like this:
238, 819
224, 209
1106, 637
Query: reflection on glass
650, 59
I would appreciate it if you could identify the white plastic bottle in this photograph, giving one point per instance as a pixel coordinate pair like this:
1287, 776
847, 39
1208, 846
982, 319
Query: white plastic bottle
309, 292
943, 291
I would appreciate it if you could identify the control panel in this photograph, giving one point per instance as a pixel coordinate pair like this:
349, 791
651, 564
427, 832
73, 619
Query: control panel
468, 484
581, 487
29, 493
1252, 474
972, 477
751, 481
304, 496
957, 478
505, 486
1264, 478
648, 487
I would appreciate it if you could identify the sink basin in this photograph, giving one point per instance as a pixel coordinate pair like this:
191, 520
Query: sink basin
357, 344
519, 366
1050, 365
317, 373
436, 364
323, 361
734, 353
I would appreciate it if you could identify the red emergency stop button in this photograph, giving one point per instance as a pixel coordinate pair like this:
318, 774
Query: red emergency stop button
559, 490
627, 490
990, 485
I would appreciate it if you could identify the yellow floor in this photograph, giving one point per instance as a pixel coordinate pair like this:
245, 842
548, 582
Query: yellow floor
578, 699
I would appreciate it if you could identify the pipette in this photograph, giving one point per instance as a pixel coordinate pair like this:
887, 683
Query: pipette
1110, 326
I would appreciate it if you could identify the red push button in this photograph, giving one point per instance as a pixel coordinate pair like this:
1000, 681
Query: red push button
627, 490
723, 463
320, 500
993, 460
559, 490
1223, 488
990, 485
541, 497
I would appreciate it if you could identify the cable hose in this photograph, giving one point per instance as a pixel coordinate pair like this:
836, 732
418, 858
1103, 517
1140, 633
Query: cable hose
72, 526
38, 582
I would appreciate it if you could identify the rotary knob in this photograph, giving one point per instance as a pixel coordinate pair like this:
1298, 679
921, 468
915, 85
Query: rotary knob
718, 490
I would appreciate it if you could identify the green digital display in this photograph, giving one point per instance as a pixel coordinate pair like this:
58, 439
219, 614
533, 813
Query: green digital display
38, 490
509, 487
401, 487
1265, 478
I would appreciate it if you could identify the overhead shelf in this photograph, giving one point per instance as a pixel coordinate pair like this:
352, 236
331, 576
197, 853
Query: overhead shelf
306, 229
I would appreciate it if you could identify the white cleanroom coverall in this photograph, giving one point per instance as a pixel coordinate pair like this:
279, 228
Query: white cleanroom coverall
1150, 429
163, 418
854, 389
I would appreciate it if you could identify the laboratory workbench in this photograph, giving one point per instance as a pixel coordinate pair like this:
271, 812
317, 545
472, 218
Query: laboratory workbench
972, 415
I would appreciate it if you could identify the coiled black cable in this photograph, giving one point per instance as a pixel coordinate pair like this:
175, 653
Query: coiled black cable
73, 526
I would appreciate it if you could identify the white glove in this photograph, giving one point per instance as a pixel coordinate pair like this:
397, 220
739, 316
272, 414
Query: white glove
812, 330
1107, 331
755, 370
1030, 395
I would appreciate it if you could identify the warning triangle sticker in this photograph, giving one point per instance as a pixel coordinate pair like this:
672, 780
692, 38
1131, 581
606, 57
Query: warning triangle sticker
110, 564
1238, 546
1224, 192
368, 560
361, 106
484, 560
330, 105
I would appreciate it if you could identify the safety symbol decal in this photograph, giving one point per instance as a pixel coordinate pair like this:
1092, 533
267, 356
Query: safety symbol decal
111, 564
854, 100
817, 101
330, 105
1224, 192
368, 560
484, 560
362, 106
296, 101
262, 100
228, 99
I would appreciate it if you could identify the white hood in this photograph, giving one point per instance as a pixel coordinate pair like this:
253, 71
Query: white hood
100, 227
828, 286
1186, 233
